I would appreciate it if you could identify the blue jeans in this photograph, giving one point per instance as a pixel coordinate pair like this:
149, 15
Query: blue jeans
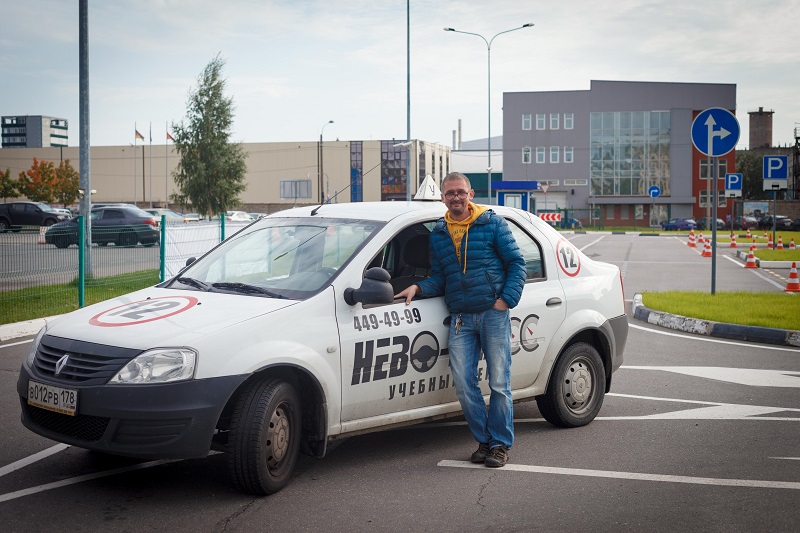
488, 331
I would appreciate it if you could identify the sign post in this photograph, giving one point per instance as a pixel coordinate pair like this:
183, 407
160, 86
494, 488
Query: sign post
776, 178
715, 132
654, 191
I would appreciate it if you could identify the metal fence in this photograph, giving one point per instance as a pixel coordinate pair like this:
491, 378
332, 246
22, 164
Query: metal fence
39, 279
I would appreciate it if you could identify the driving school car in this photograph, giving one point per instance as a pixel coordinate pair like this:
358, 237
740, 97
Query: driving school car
286, 337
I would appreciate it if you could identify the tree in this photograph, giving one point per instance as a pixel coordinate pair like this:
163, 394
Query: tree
38, 182
8, 187
211, 170
67, 183
748, 164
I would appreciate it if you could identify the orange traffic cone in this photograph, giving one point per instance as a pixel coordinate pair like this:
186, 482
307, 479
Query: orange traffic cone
780, 243
700, 239
770, 244
707, 249
733, 240
691, 243
41, 236
748, 233
793, 284
765, 234
791, 244
751, 260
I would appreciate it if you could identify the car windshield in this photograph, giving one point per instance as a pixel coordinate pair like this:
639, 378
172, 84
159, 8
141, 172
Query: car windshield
45, 207
283, 257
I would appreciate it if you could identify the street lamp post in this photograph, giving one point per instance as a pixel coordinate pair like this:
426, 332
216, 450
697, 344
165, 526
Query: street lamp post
489, 92
321, 164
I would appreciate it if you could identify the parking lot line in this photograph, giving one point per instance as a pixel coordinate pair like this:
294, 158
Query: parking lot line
633, 476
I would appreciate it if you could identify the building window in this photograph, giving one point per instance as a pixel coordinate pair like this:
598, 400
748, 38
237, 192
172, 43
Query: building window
526, 121
629, 152
707, 165
540, 121
554, 154
568, 157
526, 155
554, 121
291, 189
569, 121
721, 200
540, 155
638, 211
609, 212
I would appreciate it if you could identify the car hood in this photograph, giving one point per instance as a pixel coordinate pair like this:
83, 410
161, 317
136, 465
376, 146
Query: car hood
156, 317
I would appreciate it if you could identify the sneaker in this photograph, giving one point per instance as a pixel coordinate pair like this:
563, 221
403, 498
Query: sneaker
498, 456
480, 454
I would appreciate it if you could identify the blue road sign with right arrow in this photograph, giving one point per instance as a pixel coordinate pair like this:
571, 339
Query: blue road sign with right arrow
715, 132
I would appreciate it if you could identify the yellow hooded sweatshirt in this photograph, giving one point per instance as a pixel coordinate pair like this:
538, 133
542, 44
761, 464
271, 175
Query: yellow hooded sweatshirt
458, 229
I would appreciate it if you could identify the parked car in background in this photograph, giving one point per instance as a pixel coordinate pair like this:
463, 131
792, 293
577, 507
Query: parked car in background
122, 225
237, 216
781, 222
64, 211
14, 215
705, 223
570, 223
745, 222
256, 216
192, 217
171, 215
679, 224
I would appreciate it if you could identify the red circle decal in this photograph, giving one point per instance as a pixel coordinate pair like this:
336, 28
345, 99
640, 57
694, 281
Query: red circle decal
568, 258
143, 311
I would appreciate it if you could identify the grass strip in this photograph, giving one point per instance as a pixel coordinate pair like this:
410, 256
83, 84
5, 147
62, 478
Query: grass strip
770, 310
48, 300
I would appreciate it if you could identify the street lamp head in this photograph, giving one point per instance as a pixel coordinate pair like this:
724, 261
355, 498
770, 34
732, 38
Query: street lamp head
330, 122
449, 29
528, 25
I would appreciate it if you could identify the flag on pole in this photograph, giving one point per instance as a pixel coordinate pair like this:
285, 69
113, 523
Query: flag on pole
139, 135
169, 137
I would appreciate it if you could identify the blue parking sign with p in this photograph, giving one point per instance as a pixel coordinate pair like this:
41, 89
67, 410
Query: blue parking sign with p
733, 182
776, 167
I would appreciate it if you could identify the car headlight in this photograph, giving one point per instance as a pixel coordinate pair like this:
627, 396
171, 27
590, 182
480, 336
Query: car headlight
161, 365
35, 346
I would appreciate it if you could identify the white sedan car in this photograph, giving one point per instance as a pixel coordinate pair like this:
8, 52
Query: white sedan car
286, 336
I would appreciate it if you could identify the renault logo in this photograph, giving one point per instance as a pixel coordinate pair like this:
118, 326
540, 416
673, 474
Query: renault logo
61, 363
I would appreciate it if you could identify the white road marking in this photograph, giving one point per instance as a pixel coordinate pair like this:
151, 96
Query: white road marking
756, 273
592, 243
32, 459
634, 476
79, 479
713, 411
789, 458
740, 376
719, 341
15, 343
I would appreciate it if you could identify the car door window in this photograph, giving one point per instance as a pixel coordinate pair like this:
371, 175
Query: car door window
531, 251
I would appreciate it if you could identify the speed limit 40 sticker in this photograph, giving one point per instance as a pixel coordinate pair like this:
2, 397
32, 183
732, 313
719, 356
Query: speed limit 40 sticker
568, 258
143, 311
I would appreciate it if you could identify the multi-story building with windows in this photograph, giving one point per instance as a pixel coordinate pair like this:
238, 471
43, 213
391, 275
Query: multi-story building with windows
34, 131
603, 149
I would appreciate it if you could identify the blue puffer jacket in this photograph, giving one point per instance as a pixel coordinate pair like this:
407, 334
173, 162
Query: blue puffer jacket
495, 266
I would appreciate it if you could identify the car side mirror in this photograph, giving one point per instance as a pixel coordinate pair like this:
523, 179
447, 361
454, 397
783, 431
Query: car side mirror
190, 261
375, 289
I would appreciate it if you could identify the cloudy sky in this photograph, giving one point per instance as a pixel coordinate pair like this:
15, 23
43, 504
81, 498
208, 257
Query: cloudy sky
293, 65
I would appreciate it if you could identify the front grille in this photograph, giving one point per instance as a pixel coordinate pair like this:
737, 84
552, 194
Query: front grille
88, 363
83, 427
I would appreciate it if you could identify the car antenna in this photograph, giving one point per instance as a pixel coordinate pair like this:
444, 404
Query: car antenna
314, 211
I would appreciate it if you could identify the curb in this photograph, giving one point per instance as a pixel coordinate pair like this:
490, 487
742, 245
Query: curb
708, 328
22, 329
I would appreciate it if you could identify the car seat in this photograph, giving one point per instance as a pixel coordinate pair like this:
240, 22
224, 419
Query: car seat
417, 259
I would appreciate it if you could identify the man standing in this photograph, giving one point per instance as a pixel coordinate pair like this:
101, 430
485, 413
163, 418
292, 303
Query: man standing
479, 268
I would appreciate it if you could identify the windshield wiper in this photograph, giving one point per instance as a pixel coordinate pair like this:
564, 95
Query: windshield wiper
248, 289
196, 283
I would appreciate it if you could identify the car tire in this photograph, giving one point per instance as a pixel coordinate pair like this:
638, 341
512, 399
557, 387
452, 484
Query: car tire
264, 437
61, 241
127, 238
4, 225
576, 389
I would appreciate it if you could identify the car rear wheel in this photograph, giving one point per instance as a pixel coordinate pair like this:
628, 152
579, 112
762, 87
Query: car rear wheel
576, 388
61, 241
264, 437
127, 238
4, 225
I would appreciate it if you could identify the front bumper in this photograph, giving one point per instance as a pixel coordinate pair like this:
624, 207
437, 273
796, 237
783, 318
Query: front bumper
164, 421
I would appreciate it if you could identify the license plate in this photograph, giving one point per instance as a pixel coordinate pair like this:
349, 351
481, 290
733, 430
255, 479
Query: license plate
64, 401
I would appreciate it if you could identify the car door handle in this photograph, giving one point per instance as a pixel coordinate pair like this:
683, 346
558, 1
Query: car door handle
552, 302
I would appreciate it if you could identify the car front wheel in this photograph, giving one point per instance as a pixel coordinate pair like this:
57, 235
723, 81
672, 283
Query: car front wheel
576, 388
264, 437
